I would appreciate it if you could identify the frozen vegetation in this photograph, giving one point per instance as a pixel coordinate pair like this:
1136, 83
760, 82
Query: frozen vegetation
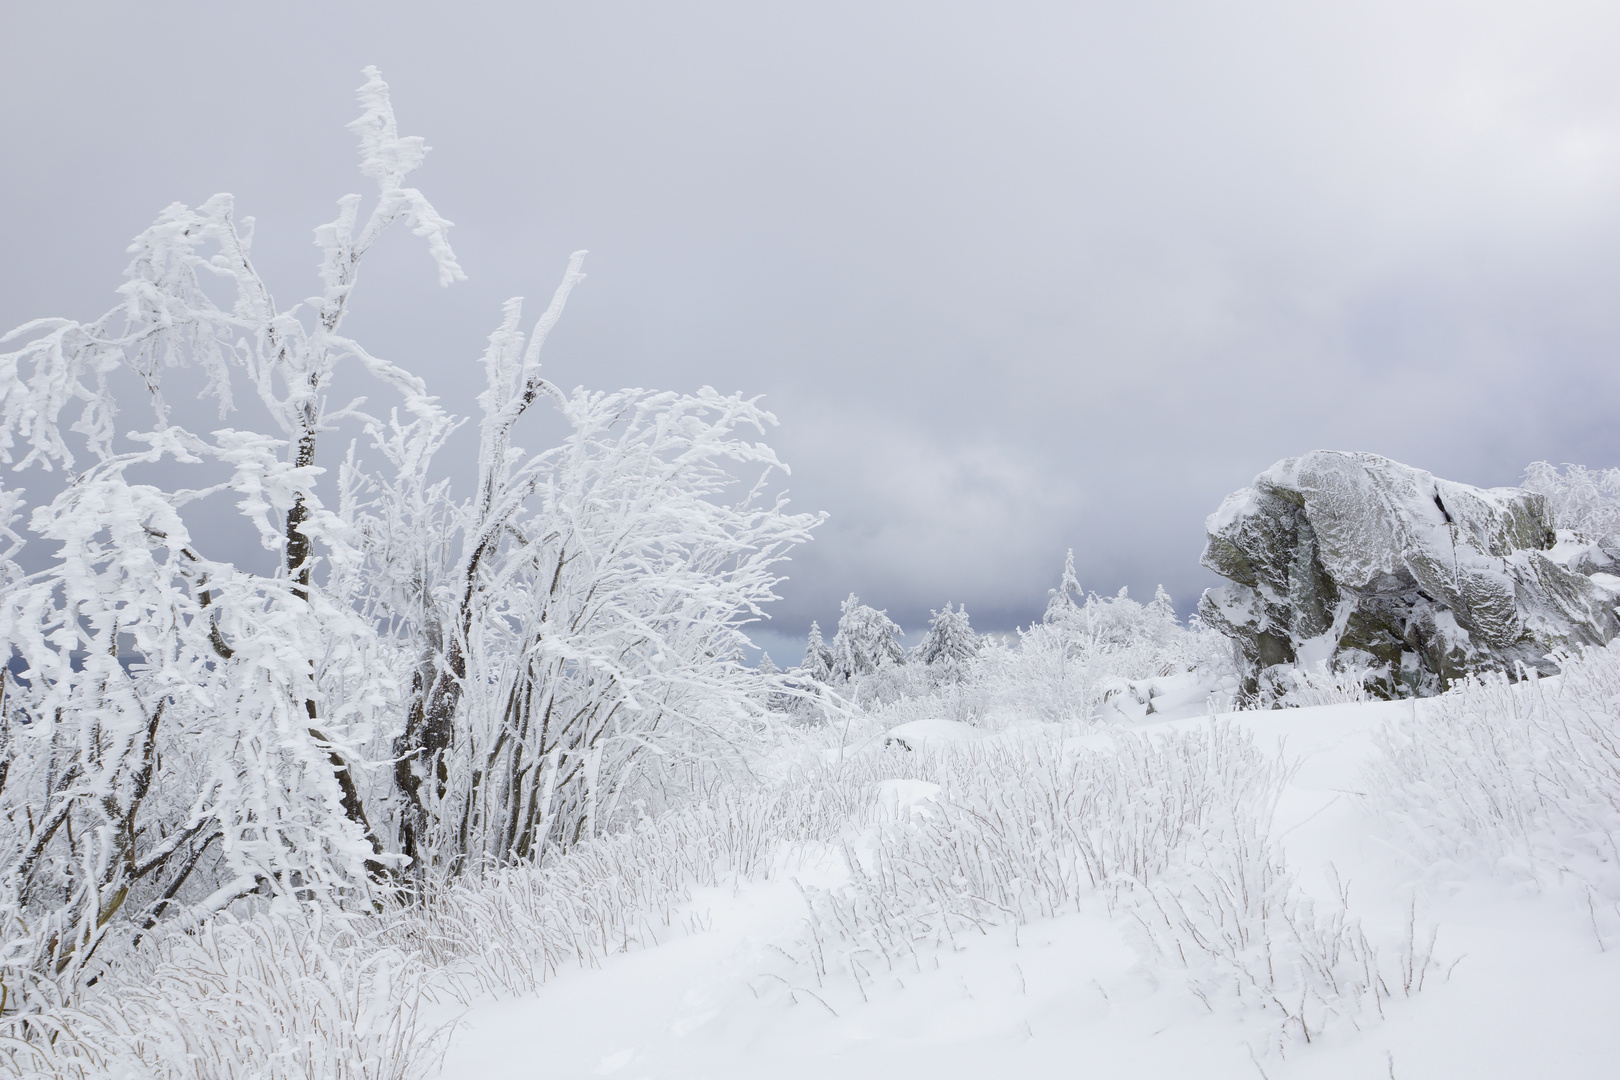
476, 783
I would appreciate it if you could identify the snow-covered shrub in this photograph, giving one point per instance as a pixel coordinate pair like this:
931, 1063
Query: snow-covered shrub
1230, 913
595, 597
1519, 778
1586, 501
1299, 687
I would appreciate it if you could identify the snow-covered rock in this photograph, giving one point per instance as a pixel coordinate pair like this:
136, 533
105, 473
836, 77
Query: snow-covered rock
1167, 697
1353, 558
918, 734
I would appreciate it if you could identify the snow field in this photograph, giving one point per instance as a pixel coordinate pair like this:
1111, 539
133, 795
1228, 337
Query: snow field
1364, 889
921, 945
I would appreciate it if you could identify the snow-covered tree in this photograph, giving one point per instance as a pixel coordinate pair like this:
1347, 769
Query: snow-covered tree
186, 730
950, 641
1092, 623
189, 730
772, 676
818, 659
867, 639
1063, 603
595, 595
1087, 642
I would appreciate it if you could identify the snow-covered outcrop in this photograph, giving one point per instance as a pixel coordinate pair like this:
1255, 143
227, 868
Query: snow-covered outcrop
1351, 558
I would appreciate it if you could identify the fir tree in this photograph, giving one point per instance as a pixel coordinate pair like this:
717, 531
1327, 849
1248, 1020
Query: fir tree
867, 639
817, 657
770, 676
1067, 599
950, 640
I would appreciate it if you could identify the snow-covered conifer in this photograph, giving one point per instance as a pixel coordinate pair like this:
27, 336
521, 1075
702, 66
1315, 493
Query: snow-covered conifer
867, 639
1162, 607
950, 640
817, 662
772, 679
1066, 600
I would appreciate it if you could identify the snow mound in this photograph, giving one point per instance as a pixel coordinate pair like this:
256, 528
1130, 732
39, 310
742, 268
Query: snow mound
918, 734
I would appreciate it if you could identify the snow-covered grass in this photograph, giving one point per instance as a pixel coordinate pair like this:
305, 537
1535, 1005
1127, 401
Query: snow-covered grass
1302, 687
275, 996
1519, 779
509, 930
280, 995
1172, 831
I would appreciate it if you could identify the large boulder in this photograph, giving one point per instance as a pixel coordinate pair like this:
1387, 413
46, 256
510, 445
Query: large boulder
1355, 560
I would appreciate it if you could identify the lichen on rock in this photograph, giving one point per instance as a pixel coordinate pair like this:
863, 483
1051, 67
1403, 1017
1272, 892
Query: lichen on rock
1354, 560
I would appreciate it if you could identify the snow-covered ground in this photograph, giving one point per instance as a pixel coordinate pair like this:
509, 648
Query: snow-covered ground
1520, 986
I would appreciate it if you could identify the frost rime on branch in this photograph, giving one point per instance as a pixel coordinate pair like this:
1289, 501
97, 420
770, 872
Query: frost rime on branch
183, 733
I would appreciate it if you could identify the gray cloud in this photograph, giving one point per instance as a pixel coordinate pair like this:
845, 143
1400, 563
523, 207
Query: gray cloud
1015, 278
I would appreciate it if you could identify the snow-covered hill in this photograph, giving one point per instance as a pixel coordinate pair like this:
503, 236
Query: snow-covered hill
1521, 980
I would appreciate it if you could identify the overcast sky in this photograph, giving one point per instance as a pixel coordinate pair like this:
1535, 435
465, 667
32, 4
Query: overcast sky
1014, 277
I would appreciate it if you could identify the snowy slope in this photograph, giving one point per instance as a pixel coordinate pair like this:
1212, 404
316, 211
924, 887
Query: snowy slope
1521, 986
